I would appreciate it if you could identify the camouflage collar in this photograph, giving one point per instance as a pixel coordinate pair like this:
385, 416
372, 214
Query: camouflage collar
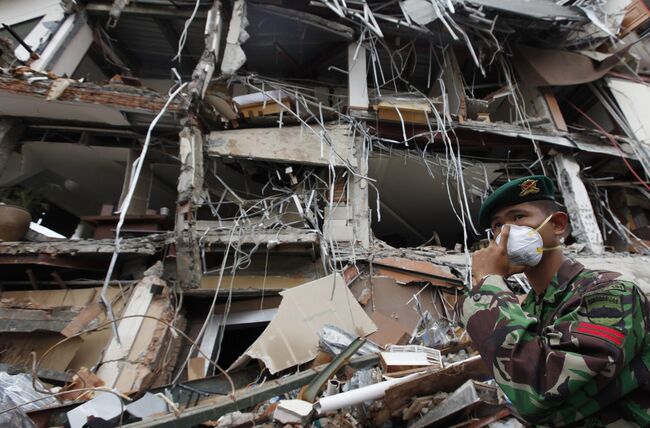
564, 276
567, 272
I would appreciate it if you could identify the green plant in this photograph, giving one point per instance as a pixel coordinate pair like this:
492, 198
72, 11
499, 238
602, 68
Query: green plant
30, 199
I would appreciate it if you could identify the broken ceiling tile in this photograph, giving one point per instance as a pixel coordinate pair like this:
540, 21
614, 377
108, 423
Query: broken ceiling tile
293, 412
105, 405
420, 11
633, 99
540, 9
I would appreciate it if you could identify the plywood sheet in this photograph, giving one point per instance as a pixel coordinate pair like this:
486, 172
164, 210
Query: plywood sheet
291, 338
16, 349
70, 297
396, 301
252, 282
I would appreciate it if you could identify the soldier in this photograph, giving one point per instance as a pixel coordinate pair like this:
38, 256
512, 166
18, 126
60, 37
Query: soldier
575, 352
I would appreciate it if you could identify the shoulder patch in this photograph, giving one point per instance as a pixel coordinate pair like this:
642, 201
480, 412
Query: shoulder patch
604, 308
613, 286
606, 333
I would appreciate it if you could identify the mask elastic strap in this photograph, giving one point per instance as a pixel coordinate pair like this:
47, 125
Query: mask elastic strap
542, 249
541, 225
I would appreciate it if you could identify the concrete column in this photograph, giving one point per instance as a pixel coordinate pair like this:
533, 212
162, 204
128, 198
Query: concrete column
357, 79
358, 196
190, 187
583, 220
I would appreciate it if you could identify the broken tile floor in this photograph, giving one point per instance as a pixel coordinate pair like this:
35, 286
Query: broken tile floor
243, 213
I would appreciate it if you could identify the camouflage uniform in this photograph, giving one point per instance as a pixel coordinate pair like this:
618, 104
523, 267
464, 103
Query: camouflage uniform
578, 355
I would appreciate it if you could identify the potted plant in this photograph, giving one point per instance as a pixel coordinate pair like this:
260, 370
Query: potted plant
17, 204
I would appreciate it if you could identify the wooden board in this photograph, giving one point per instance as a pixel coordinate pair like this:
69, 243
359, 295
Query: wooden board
395, 301
253, 282
445, 380
52, 298
410, 113
196, 368
16, 349
636, 13
20, 320
415, 266
389, 331
259, 110
554, 108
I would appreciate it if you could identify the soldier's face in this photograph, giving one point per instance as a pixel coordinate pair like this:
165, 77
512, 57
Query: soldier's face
531, 215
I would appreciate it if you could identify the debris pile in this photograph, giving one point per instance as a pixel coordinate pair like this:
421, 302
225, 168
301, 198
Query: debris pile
244, 213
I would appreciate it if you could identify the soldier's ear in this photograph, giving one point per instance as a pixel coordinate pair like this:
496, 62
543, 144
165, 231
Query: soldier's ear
560, 221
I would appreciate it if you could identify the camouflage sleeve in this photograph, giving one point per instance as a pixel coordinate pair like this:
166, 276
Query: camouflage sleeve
563, 367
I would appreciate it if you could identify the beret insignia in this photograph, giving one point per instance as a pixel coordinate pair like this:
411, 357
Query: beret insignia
528, 187
523, 189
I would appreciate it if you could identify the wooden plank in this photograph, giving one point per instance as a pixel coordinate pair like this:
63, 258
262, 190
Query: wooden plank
17, 349
287, 144
636, 14
83, 319
415, 266
18, 320
270, 108
196, 368
445, 380
554, 108
52, 298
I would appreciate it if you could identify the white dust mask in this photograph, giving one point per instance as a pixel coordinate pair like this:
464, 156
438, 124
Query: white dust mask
525, 244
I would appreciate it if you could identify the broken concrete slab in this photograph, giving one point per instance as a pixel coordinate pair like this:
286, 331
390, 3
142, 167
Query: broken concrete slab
316, 146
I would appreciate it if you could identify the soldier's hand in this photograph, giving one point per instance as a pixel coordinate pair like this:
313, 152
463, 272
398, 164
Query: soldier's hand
493, 260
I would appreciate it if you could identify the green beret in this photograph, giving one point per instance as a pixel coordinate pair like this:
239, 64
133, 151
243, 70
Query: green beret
524, 189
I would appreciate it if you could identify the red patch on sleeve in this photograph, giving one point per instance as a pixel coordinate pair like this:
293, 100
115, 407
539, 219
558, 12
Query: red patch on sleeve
607, 333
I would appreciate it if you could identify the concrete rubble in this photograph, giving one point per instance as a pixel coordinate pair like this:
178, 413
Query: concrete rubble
243, 213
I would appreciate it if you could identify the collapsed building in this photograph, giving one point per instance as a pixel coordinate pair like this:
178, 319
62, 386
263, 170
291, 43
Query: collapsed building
228, 196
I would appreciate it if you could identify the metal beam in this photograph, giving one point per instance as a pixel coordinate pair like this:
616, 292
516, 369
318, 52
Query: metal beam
306, 18
150, 11
401, 221
172, 37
